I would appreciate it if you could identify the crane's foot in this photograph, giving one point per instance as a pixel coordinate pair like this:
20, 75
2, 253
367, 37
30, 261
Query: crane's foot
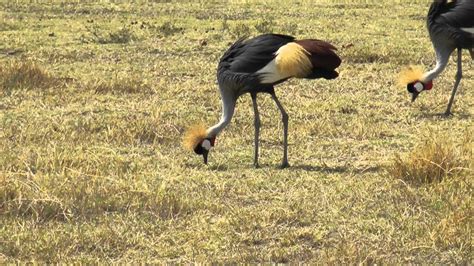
256, 165
284, 165
448, 113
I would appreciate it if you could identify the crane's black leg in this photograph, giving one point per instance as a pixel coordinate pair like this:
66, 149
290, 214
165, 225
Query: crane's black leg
284, 118
472, 53
256, 122
456, 84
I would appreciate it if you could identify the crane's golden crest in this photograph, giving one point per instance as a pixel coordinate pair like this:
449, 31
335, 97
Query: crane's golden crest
193, 136
292, 60
410, 74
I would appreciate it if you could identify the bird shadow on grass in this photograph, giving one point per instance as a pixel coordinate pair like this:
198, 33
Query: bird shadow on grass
443, 116
303, 167
335, 169
321, 168
309, 168
219, 167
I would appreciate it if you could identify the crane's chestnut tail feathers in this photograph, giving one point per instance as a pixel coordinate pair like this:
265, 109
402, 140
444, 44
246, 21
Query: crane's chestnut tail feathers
410, 74
323, 59
321, 53
193, 136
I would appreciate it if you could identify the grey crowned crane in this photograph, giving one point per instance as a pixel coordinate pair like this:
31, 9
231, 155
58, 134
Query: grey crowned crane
257, 65
451, 27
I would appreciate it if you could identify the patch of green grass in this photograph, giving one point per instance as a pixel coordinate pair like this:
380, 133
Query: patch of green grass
168, 28
264, 25
122, 34
9, 26
241, 30
95, 97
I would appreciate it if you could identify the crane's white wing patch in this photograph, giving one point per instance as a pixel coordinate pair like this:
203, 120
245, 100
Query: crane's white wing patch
470, 30
270, 73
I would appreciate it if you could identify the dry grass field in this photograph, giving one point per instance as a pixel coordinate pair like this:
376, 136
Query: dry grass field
94, 100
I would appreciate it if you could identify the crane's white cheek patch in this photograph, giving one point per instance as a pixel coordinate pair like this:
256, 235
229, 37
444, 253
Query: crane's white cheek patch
418, 87
206, 144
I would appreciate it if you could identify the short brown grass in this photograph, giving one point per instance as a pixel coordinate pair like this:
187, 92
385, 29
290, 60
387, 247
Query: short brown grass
122, 84
23, 197
92, 170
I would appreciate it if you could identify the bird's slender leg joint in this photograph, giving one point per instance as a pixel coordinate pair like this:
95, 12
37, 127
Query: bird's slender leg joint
284, 118
456, 84
257, 128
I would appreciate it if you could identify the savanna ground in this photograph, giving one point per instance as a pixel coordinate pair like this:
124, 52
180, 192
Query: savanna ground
94, 100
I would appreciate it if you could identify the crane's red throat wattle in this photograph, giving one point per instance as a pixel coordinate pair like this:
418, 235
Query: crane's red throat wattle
429, 85
213, 141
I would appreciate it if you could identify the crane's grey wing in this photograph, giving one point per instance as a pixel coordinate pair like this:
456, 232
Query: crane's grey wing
461, 15
255, 53
459, 21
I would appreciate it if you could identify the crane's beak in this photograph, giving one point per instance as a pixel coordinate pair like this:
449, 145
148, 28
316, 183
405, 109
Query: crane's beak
204, 155
414, 95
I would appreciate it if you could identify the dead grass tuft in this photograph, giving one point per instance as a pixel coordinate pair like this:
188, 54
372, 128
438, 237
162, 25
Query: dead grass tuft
433, 160
24, 75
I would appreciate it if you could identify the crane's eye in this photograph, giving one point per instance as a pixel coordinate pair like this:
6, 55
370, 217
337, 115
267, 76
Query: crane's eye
418, 86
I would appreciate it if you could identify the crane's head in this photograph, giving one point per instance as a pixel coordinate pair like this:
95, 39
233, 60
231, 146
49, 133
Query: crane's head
197, 140
412, 78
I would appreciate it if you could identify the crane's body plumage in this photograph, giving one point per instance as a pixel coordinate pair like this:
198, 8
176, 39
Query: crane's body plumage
256, 65
450, 26
452, 23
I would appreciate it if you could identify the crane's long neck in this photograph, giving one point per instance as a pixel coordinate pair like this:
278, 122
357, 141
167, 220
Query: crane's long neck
442, 58
228, 107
